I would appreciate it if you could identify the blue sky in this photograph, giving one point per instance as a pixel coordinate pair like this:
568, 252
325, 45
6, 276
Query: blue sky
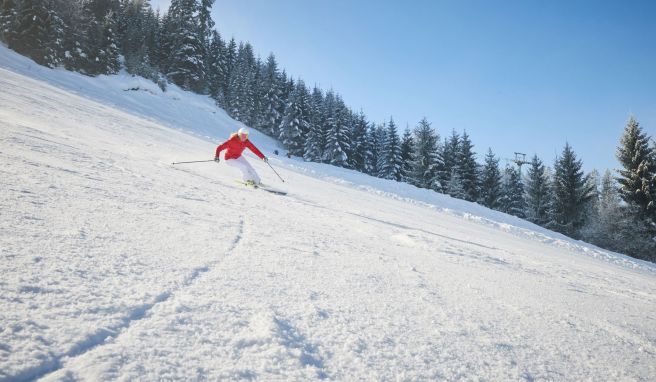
517, 75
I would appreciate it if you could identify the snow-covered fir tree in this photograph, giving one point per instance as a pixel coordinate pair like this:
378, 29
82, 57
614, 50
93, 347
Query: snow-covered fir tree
450, 157
637, 189
8, 18
468, 168
295, 122
571, 193
381, 143
327, 119
205, 22
287, 86
377, 140
54, 51
337, 133
103, 53
95, 17
39, 32
144, 42
257, 94
186, 66
359, 143
607, 229
76, 22
512, 199
242, 91
407, 146
455, 186
426, 159
490, 195
638, 162
314, 142
271, 97
591, 208
538, 195
390, 161
216, 66
369, 161
229, 65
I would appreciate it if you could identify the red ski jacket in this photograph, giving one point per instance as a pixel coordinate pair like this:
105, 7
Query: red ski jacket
235, 146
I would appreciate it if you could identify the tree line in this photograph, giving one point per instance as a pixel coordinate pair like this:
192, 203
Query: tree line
183, 47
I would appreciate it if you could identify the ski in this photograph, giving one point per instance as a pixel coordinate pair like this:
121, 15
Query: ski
262, 187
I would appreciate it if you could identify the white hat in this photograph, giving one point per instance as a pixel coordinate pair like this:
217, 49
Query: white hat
243, 131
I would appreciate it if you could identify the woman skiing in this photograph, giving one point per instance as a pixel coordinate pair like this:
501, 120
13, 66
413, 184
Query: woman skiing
236, 145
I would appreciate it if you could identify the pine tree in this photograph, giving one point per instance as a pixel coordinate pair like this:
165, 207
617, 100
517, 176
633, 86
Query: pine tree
8, 16
240, 102
314, 142
152, 27
30, 29
257, 94
407, 146
39, 32
455, 186
425, 158
230, 72
512, 200
638, 162
305, 100
571, 194
295, 122
637, 188
164, 39
54, 52
337, 137
327, 117
186, 66
138, 30
538, 196
76, 21
359, 143
591, 208
379, 148
102, 49
450, 158
206, 24
370, 157
607, 230
467, 168
287, 86
216, 75
270, 116
652, 206
490, 195
390, 161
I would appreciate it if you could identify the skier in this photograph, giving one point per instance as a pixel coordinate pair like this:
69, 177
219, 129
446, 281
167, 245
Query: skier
234, 146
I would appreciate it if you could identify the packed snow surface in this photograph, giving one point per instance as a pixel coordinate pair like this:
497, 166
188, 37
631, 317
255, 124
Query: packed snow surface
116, 265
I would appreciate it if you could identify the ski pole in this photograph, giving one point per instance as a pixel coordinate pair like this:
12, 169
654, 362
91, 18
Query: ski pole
274, 170
194, 161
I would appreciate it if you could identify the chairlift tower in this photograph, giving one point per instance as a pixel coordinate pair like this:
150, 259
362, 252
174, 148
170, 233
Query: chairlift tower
520, 160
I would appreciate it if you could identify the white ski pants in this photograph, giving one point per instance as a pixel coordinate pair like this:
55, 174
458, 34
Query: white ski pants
247, 171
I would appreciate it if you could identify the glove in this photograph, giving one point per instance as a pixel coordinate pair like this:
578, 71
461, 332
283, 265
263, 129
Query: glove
266, 160
217, 159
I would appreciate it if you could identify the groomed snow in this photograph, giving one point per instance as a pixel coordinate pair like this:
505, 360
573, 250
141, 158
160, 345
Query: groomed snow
116, 265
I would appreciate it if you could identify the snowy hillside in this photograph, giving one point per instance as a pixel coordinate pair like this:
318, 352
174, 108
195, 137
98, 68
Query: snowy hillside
116, 265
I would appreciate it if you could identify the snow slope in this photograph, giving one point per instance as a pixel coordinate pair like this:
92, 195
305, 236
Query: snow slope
116, 265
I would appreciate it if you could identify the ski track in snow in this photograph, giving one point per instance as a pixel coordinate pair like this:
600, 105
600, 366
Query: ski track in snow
116, 265
136, 314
